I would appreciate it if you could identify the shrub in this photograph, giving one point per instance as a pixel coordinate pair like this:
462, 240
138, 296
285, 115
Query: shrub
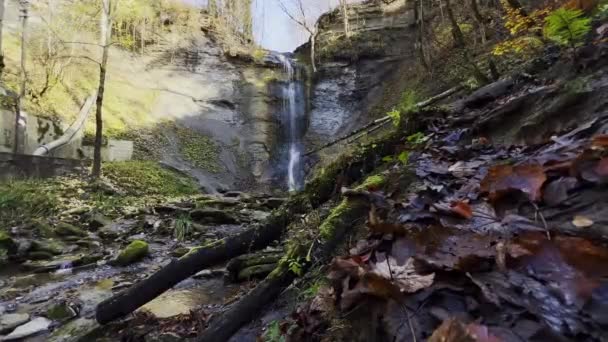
567, 27
26, 199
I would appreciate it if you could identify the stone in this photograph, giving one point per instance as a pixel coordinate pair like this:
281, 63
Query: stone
68, 230
7, 243
35, 326
164, 337
43, 228
107, 234
47, 246
97, 221
257, 271
8, 322
212, 216
61, 312
39, 255
135, 251
274, 202
179, 252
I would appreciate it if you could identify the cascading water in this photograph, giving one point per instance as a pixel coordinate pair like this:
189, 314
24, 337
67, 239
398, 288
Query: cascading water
293, 114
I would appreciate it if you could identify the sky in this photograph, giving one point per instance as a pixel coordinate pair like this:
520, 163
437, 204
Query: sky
273, 29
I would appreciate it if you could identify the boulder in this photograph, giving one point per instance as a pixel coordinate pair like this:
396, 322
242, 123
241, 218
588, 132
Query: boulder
179, 252
62, 311
7, 243
213, 216
8, 322
68, 230
47, 246
135, 251
97, 221
35, 326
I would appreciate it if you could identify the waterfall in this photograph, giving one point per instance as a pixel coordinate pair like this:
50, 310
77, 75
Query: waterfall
294, 131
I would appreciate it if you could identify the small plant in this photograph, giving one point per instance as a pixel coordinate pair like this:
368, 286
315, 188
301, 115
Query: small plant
416, 138
183, 227
567, 27
273, 333
395, 115
404, 157
295, 266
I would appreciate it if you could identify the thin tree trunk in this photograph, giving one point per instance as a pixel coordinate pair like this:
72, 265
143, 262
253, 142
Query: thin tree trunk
143, 36
106, 30
344, 6
1, 31
18, 113
460, 42
419, 17
313, 43
480, 21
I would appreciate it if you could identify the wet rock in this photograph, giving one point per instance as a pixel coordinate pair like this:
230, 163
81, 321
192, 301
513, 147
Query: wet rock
135, 251
68, 230
255, 215
43, 228
35, 326
39, 255
47, 246
219, 203
212, 216
165, 337
273, 202
8, 322
257, 272
97, 221
107, 234
169, 209
62, 311
180, 252
75, 211
7, 243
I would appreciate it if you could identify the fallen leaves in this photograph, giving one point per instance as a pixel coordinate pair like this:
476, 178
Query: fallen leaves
462, 209
502, 180
582, 222
453, 330
404, 276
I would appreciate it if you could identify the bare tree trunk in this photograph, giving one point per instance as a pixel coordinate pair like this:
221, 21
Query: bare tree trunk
344, 7
18, 112
106, 30
460, 42
1, 31
419, 17
313, 54
480, 21
143, 35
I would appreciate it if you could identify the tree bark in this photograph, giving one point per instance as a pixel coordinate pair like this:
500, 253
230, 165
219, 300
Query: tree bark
480, 21
2, 7
106, 31
419, 17
19, 108
344, 7
249, 307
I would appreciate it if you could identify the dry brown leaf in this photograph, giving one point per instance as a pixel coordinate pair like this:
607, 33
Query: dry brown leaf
582, 222
504, 179
600, 142
452, 330
404, 276
462, 209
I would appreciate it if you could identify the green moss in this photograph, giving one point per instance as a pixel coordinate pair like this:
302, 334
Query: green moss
47, 246
326, 230
7, 243
372, 182
59, 312
199, 149
66, 229
135, 251
148, 178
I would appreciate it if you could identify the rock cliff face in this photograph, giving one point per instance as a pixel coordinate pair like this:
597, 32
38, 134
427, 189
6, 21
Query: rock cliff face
355, 74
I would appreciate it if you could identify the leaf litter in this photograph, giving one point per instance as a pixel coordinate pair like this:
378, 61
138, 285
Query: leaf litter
474, 251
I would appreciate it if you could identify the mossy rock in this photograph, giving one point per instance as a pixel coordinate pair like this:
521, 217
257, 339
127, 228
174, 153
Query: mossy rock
39, 255
180, 252
43, 228
135, 251
60, 312
7, 243
97, 221
257, 272
209, 215
66, 229
47, 246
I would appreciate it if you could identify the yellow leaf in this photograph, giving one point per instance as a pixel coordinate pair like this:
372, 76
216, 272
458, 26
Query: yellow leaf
582, 222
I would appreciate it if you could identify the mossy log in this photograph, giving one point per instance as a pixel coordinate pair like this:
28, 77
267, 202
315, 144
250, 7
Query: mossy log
344, 171
332, 231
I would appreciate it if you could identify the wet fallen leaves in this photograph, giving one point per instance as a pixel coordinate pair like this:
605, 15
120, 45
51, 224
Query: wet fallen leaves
473, 251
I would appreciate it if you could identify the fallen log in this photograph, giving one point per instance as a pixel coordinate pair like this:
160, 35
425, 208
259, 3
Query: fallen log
347, 169
331, 232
